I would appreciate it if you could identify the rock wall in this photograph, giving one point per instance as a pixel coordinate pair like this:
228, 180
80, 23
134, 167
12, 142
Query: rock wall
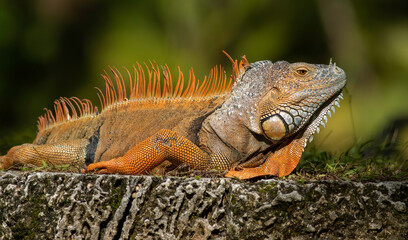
77, 206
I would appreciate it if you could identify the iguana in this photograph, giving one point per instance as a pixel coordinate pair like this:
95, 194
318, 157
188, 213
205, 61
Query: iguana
255, 123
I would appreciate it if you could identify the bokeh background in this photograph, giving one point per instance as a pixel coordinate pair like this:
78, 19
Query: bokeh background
53, 48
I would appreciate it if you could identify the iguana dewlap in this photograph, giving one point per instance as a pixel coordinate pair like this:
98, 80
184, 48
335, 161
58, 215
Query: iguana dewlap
259, 126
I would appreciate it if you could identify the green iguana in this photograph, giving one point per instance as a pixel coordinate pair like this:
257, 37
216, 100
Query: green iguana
255, 123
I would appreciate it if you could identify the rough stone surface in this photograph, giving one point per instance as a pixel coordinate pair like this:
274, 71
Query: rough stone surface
77, 206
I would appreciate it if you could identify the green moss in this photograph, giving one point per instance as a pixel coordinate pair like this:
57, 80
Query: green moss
267, 187
233, 200
29, 229
116, 198
363, 161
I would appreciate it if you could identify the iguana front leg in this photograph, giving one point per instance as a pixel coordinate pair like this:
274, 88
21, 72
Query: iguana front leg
163, 145
280, 163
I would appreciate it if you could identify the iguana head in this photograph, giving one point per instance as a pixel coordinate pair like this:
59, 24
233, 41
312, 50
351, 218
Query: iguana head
299, 99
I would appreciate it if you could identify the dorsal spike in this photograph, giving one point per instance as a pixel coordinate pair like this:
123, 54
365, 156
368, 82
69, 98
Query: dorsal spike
169, 80
181, 75
57, 110
188, 87
130, 83
157, 84
112, 87
235, 69
176, 89
73, 110
150, 86
78, 104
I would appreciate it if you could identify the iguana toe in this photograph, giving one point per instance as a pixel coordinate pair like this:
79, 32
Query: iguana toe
102, 167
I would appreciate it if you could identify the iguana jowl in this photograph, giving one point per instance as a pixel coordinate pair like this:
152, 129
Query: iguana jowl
259, 126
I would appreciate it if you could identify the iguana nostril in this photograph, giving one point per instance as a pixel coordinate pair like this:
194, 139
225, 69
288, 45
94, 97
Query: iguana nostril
337, 69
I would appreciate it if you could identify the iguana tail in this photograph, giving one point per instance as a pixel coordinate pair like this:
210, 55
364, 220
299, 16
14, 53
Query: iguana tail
71, 152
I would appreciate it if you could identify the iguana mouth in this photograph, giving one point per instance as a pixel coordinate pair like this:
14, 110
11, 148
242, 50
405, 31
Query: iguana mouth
321, 119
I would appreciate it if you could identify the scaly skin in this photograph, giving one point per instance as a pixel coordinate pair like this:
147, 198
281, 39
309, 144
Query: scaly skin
259, 128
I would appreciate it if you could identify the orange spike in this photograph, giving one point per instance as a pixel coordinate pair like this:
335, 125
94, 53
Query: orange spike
40, 123
169, 79
243, 64
110, 90
113, 94
181, 86
89, 105
188, 87
235, 70
118, 88
142, 87
65, 109
216, 80
123, 84
117, 92
158, 87
133, 87
197, 84
101, 98
192, 80
176, 88
193, 85
107, 94
75, 99
149, 85
200, 90
166, 84
208, 85
190, 84
130, 83
136, 83
211, 86
50, 116
208, 88
222, 79
74, 112
57, 111
230, 82
156, 76
83, 107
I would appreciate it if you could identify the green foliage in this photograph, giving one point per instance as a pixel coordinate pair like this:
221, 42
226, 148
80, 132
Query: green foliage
49, 167
367, 160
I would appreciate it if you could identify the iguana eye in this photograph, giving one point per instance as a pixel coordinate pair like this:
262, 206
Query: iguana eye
301, 71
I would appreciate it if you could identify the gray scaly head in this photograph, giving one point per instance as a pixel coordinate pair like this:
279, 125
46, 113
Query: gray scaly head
285, 104
301, 96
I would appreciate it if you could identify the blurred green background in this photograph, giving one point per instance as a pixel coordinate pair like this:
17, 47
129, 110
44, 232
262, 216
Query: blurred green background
52, 48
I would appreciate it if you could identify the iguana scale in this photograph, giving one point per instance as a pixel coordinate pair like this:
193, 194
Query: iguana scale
255, 123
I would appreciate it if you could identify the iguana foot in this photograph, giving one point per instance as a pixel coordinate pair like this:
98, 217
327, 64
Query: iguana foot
115, 165
7, 160
281, 163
